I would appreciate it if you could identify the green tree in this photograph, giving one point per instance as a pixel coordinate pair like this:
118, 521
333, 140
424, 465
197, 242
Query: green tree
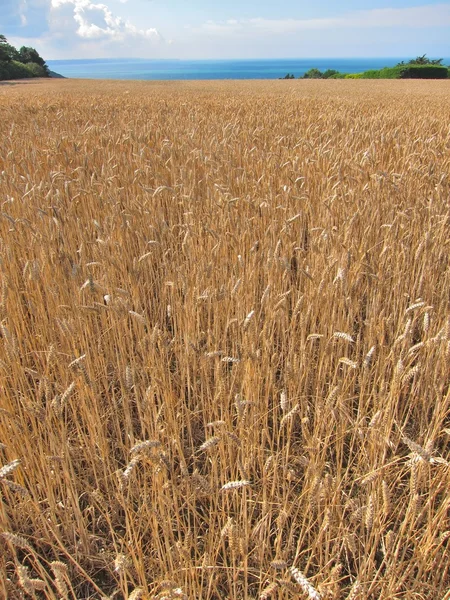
7, 52
329, 73
423, 60
18, 64
30, 55
420, 60
313, 74
3, 54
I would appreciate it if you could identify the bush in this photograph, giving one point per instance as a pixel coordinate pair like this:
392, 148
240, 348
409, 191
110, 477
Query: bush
415, 71
330, 73
14, 70
4, 66
20, 64
420, 68
386, 73
372, 74
37, 70
313, 74
391, 73
17, 70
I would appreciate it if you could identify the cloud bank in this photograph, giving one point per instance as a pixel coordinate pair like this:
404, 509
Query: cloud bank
101, 29
437, 15
96, 21
76, 29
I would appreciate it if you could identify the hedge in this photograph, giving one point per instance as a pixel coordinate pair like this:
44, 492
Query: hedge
408, 72
424, 72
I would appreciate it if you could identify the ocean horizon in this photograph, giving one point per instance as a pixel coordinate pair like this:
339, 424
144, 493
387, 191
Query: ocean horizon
176, 69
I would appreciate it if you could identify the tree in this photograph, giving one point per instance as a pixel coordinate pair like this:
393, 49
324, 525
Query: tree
420, 60
313, 74
17, 64
423, 60
3, 54
7, 52
30, 55
329, 73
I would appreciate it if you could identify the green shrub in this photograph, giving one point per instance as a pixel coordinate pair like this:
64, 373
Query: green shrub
330, 73
386, 73
416, 71
391, 73
36, 70
420, 68
372, 74
413, 71
17, 70
14, 70
20, 64
3, 70
313, 74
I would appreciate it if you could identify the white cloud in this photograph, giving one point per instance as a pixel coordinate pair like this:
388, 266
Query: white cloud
437, 15
96, 22
22, 12
119, 28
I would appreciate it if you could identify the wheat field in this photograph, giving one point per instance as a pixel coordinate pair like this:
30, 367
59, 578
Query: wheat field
225, 340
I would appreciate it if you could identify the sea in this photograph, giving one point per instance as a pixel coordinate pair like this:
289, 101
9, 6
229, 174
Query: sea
133, 68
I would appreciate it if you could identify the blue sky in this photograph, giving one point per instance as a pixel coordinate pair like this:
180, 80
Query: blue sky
231, 29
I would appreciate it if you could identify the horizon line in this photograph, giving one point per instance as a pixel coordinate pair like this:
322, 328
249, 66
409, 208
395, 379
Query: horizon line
239, 59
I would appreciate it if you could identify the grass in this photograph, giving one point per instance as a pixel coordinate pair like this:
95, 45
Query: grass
225, 340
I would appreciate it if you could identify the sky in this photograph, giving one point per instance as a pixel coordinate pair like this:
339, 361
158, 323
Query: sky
215, 29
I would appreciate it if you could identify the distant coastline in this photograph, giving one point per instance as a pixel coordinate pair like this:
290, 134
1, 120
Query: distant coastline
175, 69
421, 67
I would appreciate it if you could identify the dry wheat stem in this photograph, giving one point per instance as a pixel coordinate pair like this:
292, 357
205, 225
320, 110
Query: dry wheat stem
224, 339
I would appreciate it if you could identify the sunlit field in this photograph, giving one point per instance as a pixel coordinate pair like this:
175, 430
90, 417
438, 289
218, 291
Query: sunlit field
225, 340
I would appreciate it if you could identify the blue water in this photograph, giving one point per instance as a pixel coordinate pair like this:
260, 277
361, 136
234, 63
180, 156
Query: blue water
133, 68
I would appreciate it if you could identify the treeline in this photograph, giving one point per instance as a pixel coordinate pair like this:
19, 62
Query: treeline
20, 64
417, 68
